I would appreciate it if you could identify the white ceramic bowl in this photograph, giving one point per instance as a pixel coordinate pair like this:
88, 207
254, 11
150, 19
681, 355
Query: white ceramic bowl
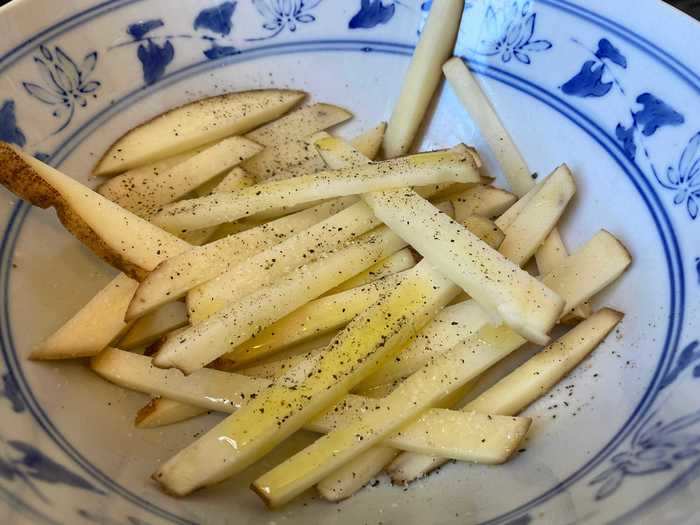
611, 88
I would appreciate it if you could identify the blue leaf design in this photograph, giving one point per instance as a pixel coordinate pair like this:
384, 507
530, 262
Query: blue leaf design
656, 114
689, 355
40, 93
140, 29
609, 51
217, 51
155, 59
425, 6
10, 389
371, 14
10, 132
626, 136
588, 82
697, 268
693, 205
40, 467
216, 19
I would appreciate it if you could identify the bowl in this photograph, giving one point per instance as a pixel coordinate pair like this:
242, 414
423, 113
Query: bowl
610, 88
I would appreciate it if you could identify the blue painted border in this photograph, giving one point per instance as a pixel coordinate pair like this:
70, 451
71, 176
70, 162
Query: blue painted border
671, 250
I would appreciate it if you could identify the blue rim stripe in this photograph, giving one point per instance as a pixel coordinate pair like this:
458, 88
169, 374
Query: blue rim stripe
501, 76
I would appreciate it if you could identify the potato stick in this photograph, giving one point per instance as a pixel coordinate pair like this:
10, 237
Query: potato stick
214, 390
402, 260
94, 326
422, 169
197, 123
485, 229
419, 392
163, 164
370, 142
551, 254
494, 133
508, 217
268, 265
423, 76
154, 325
240, 321
293, 158
285, 407
485, 201
498, 284
173, 278
145, 194
234, 180
275, 369
160, 412
523, 386
113, 233
530, 228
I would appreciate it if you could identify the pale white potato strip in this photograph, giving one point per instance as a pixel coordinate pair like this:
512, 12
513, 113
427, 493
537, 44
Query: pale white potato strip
355, 474
370, 142
484, 229
532, 225
523, 386
240, 321
284, 407
94, 326
315, 318
213, 390
162, 165
234, 180
421, 169
160, 412
145, 194
154, 325
508, 217
293, 158
497, 284
419, 392
265, 267
398, 262
494, 133
173, 278
485, 201
273, 370
113, 233
434, 46
195, 124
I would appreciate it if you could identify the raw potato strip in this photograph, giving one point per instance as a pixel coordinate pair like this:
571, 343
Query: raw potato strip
422, 169
94, 326
370, 142
423, 76
398, 262
240, 321
315, 318
408, 401
113, 233
523, 386
209, 389
145, 194
173, 278
234, 180
498, 284
265, 267
291, 159
154, 325
508, 217
276, 369
530, 228
485, 201
285, 407
160, 412
194, 125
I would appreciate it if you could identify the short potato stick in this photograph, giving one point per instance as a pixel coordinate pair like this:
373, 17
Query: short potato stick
276, 369
240, 321
422, 169
370, 142
499, 285
154, 325
145, 193
173, 278
523, 386
293, 158
234, 180
197, 123
416, 394
118, 236
282, 409
423, 76
484, 201
160, 412
94, 326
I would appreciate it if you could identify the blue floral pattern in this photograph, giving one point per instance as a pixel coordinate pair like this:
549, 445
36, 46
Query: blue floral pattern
685, 180
66, 85
373, 13
9, 131
10, 390
509, 32
284, 14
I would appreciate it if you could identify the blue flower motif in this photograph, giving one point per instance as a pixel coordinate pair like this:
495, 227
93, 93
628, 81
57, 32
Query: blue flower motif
685, 180
9, 131
139, 30
509, 32
372, 13
626, 136
609, 51
216, 19
281, 14
216, 51
66, 84
10, 390
154, 59
656, 114
588, 82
